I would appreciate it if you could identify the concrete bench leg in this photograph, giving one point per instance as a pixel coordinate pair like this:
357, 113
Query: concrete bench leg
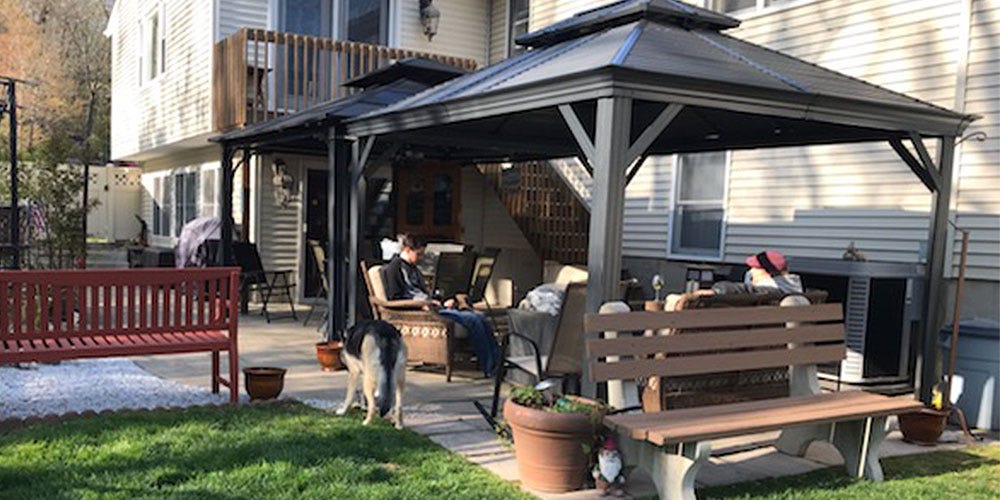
672, 467
857, 441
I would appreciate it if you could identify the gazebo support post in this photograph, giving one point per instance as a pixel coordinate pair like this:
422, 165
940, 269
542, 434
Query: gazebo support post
937, 259
611, 141
226, 206
360, 153
338, 164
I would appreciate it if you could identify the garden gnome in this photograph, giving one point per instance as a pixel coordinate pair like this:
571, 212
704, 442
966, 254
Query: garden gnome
608, 475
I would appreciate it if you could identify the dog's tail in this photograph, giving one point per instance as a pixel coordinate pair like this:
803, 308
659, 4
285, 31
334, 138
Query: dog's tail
388, 342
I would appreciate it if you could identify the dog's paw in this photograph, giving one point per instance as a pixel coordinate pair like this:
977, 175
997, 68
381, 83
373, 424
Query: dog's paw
342, 410
399, 425
367, 421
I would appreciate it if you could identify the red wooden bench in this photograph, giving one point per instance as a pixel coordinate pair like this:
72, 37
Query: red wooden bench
70, 314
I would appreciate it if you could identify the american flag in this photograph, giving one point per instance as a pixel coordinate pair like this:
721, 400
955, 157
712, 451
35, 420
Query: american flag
36, 218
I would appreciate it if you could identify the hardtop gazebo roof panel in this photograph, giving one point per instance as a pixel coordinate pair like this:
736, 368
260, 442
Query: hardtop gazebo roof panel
651, 41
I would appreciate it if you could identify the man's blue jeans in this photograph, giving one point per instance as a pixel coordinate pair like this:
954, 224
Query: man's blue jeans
480, 336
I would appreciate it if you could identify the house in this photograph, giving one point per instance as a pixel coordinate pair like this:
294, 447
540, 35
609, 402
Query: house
172, 91
186, 70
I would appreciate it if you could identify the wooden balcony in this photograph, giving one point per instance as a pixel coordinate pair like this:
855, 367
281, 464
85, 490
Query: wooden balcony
260, 75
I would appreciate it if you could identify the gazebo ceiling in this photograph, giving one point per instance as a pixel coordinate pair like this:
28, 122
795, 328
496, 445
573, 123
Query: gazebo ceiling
667, 51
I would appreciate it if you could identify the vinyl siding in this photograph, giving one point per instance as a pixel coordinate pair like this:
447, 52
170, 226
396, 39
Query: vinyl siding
463, 30
236, 14
177, 105
195, 159
499, 19
978, 203
814, 201
278, 230
546, 12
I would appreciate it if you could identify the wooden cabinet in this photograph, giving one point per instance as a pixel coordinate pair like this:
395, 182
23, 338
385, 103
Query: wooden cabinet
428, 201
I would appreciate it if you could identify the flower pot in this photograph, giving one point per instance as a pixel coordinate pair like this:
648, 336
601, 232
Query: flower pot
923, 427
264, 382
328, 355
549, 447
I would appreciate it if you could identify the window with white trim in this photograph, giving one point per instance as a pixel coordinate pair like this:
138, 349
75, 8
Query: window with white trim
185, 199
699, 205
152, 31
209, 193
520, 12
163, 201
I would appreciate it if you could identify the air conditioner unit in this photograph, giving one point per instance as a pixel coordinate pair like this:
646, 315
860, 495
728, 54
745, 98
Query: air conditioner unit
883, 312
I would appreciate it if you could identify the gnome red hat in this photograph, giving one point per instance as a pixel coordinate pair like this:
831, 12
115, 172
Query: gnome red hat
768, 260
609, 444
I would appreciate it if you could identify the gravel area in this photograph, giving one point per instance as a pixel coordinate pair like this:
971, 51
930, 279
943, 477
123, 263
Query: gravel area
93, 384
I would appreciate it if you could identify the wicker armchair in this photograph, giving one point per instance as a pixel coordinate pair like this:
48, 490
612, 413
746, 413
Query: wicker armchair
429, 337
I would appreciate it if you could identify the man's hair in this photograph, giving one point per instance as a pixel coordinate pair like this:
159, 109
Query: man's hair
412, 242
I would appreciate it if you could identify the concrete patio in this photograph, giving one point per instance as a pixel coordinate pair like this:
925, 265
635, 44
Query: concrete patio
445, 413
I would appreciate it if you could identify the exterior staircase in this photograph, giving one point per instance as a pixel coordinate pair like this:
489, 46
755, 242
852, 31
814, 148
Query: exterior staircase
553, 219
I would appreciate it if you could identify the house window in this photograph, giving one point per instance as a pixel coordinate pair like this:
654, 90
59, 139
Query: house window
163, 202
366, 21
519, 13
699, 205
154, 43
209, 193
185, 200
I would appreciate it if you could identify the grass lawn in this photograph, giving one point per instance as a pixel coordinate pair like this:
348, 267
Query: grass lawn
973, 473
270, 451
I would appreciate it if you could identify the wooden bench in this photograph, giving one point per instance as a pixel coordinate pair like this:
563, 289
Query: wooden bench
671, 445
69, 314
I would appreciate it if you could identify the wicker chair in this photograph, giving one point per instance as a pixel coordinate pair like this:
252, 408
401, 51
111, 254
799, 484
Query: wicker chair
429, 337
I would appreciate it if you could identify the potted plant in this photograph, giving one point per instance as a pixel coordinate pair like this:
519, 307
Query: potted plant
553, 437
264, 382
328, 351
927, 425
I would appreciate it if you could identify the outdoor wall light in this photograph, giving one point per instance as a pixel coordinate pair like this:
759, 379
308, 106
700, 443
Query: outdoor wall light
430, 16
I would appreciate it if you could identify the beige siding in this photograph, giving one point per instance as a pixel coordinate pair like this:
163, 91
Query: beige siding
463, 30
278, 229
814, 201
499, 19
978, 203
175, 106
546, 12
236, 14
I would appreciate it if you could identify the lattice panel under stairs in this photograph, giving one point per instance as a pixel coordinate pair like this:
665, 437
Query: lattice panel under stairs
552, 219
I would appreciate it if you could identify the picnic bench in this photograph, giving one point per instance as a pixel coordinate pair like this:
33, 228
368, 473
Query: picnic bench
672, 444
57, 315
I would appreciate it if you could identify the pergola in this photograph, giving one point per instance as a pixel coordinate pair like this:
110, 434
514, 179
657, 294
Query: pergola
635, 78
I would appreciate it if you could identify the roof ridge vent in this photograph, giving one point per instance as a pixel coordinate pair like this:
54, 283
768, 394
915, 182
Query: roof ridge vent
623, 12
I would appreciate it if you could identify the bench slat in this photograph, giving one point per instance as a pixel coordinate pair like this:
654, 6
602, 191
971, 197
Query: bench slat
719, 318
820, 412
720, 340
631, 369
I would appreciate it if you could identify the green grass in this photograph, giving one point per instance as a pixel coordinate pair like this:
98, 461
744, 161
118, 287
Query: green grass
973, 473
259, 451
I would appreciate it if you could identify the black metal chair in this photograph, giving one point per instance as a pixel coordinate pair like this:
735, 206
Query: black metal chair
318, 254
268, 284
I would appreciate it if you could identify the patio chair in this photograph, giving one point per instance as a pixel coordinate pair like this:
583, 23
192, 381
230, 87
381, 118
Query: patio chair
555, 351
268, 284
318, 254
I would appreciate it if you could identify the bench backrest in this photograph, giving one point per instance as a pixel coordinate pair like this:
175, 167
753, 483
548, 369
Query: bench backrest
714, 341
90, 303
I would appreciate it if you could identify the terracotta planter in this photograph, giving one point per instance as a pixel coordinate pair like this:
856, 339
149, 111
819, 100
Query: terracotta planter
549, 447
328, 355
264, 382
923, 427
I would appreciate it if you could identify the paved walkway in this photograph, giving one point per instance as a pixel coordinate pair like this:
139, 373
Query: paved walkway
444, 412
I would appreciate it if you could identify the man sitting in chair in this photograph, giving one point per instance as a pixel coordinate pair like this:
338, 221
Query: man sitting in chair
404, 281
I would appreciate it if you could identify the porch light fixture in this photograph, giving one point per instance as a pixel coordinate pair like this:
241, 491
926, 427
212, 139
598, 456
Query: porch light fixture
429, 18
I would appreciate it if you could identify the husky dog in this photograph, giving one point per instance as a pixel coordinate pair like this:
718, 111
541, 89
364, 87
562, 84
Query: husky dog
374, 350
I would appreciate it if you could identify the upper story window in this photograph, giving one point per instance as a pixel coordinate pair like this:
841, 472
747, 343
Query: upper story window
152, 61
306, 17
366, 21
699, 205
520, 12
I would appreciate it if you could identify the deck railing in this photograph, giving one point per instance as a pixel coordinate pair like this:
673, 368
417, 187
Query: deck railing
260, 74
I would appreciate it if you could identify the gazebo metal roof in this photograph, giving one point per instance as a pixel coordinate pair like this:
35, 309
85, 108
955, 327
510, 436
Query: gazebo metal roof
650, 77
668, 51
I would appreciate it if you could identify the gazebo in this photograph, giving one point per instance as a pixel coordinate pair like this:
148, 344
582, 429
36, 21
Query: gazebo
635, 78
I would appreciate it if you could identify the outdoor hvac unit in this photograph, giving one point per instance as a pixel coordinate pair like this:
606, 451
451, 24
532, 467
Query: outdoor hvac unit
883, 308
